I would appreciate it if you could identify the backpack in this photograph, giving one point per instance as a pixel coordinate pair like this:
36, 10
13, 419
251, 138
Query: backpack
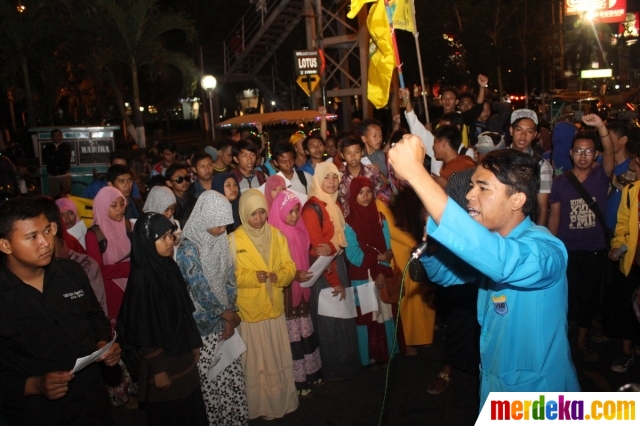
102, 240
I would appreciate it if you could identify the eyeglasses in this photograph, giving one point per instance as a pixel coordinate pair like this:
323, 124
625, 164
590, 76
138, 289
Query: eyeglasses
588, 152
181, 179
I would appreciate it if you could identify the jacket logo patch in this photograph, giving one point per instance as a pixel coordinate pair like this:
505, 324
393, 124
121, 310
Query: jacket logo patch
241, 251
74, 295
500, 305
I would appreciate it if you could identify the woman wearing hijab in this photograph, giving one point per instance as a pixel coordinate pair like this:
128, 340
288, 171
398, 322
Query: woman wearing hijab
272, 187
325, 223
206, 264
263, 268
227, 185
307, 367
369, 254
109, 245
75, 226
157, 318
161, 200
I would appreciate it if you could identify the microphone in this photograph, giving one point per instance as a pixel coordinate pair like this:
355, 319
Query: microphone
418, 252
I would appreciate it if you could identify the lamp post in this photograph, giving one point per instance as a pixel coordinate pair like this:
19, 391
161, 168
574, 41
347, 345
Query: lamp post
208, 83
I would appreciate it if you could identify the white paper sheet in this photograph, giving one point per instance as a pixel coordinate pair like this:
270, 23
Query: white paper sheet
331, 306
365, 161
317, 269
90, 359
368, 297
225, 353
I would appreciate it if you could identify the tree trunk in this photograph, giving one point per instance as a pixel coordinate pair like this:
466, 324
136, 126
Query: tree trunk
500, 90
31, 111
526, 91
138, 120
120, 102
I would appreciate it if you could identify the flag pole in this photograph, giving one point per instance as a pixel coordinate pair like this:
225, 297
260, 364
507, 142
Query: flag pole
416, 34
394, 43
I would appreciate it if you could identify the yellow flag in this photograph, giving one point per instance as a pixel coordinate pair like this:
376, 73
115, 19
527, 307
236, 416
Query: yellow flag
381, 56
356, 5
402, 15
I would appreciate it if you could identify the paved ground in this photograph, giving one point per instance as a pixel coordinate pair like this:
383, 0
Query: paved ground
357, 402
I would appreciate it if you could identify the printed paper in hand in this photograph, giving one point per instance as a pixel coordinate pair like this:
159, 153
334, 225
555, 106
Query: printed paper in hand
225, 353
331, 306
89, 359
317, 269
368, 297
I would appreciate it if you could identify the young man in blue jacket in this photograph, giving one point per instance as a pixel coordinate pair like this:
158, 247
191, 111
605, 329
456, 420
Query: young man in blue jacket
520, 268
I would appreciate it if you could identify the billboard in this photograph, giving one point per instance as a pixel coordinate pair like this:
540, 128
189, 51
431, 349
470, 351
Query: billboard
606, 11
629, 27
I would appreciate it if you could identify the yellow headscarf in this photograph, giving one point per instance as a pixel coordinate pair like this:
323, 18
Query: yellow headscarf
250, 201
336, 215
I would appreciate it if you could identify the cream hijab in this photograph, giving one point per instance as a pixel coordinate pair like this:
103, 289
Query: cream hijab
250, 201
335, 214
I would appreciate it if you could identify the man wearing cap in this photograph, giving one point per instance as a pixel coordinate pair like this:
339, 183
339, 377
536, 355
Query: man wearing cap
518, 267
524, 129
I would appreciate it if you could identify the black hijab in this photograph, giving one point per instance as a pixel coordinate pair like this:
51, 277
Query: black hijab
156, 311
218, 185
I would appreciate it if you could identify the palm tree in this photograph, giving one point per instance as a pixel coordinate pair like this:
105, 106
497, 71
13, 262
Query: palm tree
130, 33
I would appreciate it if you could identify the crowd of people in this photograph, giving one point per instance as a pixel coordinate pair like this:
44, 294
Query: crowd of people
199, 265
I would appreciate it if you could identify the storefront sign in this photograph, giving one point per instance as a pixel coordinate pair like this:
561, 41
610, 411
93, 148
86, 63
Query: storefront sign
605, 11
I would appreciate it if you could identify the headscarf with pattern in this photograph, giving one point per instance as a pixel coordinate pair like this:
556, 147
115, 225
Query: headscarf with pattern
212, 210
160, 198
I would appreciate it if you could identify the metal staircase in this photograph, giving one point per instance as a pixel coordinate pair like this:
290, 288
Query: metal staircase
254, 41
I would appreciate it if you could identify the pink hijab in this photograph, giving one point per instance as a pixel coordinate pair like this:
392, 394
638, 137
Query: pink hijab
297, 236
65, 204
272, 183
118, 243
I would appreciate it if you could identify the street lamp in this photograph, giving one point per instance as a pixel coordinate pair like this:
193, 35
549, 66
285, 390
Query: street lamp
209, 83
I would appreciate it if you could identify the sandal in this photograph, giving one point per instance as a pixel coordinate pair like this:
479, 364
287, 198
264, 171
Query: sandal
304, 392
318, 382
588, 355
438, 384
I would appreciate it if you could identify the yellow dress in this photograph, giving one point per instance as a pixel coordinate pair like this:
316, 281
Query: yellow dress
418, 318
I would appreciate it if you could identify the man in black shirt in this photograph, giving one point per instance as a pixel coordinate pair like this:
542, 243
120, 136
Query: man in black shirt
57, 157
49, 317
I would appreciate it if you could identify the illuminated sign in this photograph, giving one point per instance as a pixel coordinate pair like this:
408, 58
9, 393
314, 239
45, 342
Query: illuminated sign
606, 11
596, 73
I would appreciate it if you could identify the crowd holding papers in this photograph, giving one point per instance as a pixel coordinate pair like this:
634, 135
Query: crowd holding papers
331, 306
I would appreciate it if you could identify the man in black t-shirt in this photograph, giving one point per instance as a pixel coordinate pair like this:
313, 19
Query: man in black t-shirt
49, 317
